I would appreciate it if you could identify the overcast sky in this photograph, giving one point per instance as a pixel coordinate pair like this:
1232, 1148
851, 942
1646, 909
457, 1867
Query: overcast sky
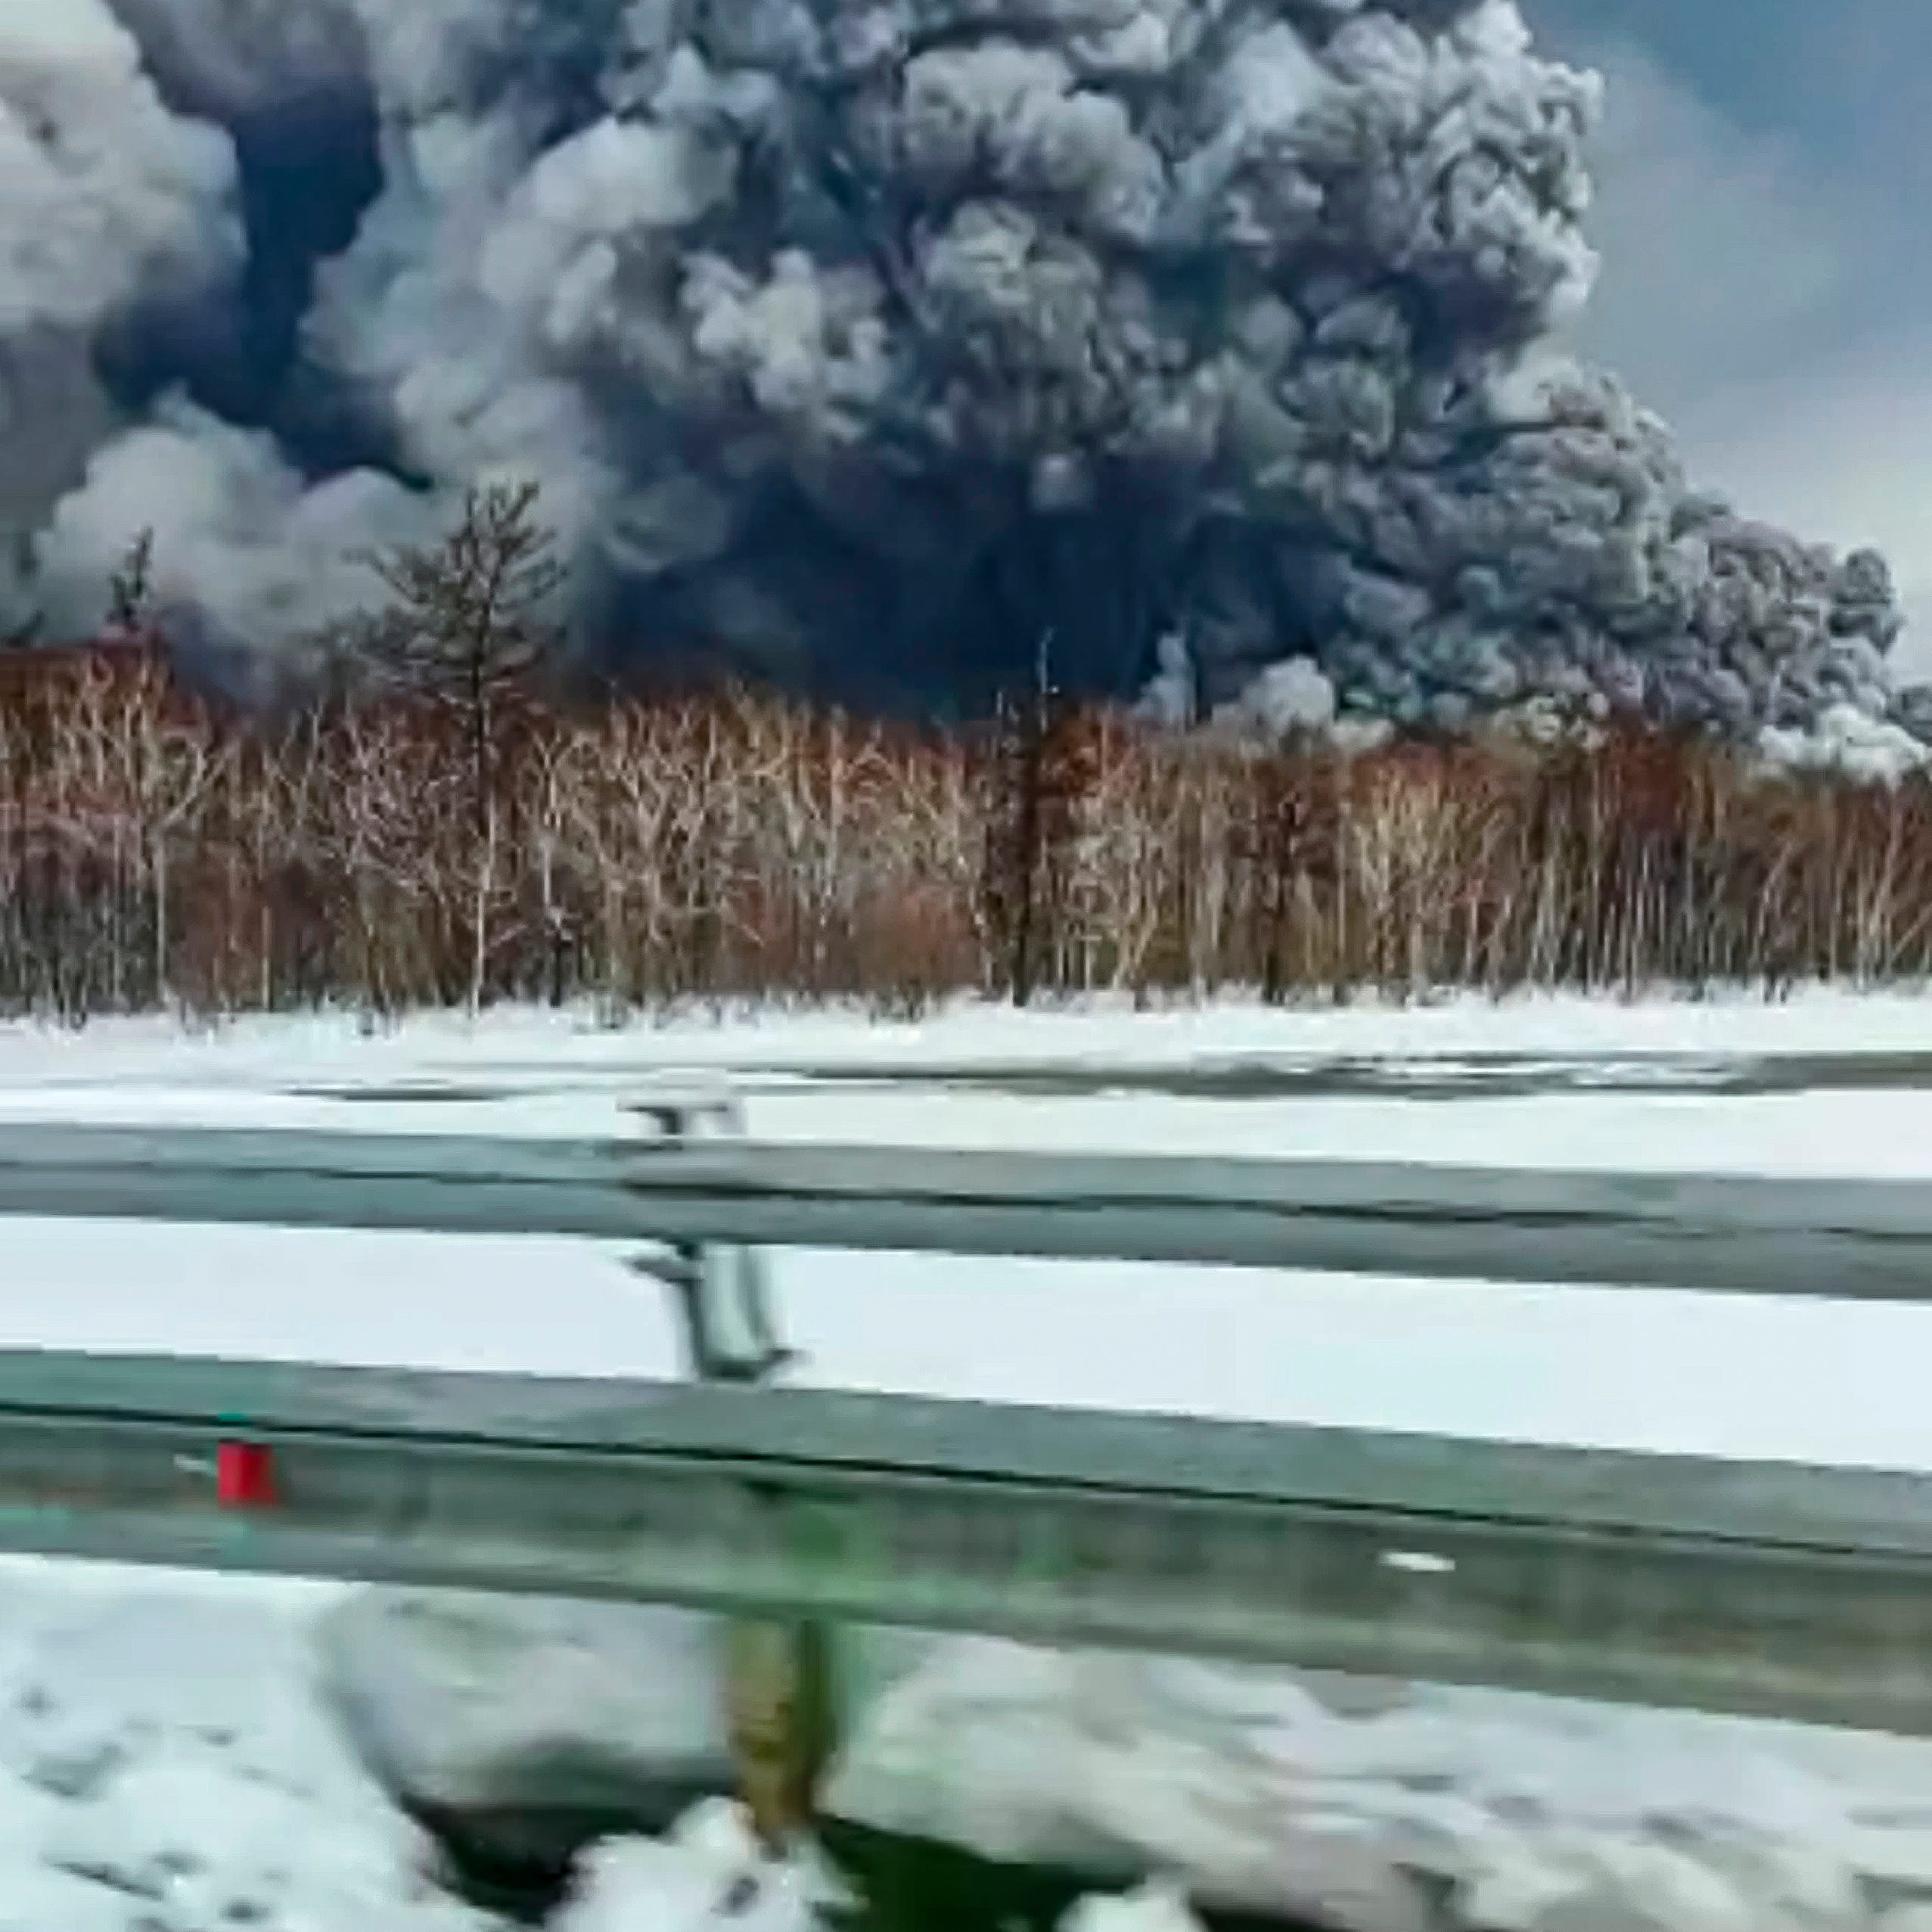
1765, 185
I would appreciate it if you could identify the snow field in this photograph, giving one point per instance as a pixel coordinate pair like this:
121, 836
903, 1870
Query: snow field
164, 1765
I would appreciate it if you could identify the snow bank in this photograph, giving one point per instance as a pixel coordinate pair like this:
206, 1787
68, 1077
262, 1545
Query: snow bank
1155, 1907
1119, 1765
163, 1768
1364, 1806
1391, 1809
538, 1723
709, 1868
172, 1743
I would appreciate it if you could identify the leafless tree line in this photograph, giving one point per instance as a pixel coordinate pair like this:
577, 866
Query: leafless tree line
154, 852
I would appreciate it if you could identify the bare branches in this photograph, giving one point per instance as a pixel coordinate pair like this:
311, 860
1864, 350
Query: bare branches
469, 618
131, 589
472, 612
642, 855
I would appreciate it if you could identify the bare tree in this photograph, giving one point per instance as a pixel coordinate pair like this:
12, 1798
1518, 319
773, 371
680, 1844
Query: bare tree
131, 589
470, 617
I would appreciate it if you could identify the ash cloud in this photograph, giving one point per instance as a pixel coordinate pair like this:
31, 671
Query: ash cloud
861, 342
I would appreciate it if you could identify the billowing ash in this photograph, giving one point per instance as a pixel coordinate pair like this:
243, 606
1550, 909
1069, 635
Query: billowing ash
866, 344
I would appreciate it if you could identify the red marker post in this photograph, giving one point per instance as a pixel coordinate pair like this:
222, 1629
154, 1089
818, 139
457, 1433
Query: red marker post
245, 1476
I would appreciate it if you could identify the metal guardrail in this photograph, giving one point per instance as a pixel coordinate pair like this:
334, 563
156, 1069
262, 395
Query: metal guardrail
1743, 1588
1747, 1588
1851, 1239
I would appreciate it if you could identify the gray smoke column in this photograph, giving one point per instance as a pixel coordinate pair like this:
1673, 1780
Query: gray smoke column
863, 343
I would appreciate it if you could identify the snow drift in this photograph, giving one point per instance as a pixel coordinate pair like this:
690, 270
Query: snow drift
863, 344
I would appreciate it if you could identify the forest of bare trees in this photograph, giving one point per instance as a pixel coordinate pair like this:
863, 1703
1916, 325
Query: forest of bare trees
154, 851
438, 825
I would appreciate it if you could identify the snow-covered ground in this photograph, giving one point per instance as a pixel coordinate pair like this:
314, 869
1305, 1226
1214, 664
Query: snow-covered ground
1552, 1083
162, 1765
1824, 1085
166, 1766
1590, 1084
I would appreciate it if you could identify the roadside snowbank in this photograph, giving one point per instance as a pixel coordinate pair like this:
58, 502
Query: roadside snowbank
164, 1767
1366, 1807
520, 1727
1394, 1809
163, 1760
705, 1872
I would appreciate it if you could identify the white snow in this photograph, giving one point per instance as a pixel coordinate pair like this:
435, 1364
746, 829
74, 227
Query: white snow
473, 1701
1613, 1368
164, 1767
705, 1871
1264, 1790
1539, 1804
1159, 1907
539, 1073
292, 1049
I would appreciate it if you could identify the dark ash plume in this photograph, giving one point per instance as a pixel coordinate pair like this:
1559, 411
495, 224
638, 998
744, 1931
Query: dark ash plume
861, 342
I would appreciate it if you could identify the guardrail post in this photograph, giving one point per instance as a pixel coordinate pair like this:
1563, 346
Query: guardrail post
722, 1292
778, 1674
